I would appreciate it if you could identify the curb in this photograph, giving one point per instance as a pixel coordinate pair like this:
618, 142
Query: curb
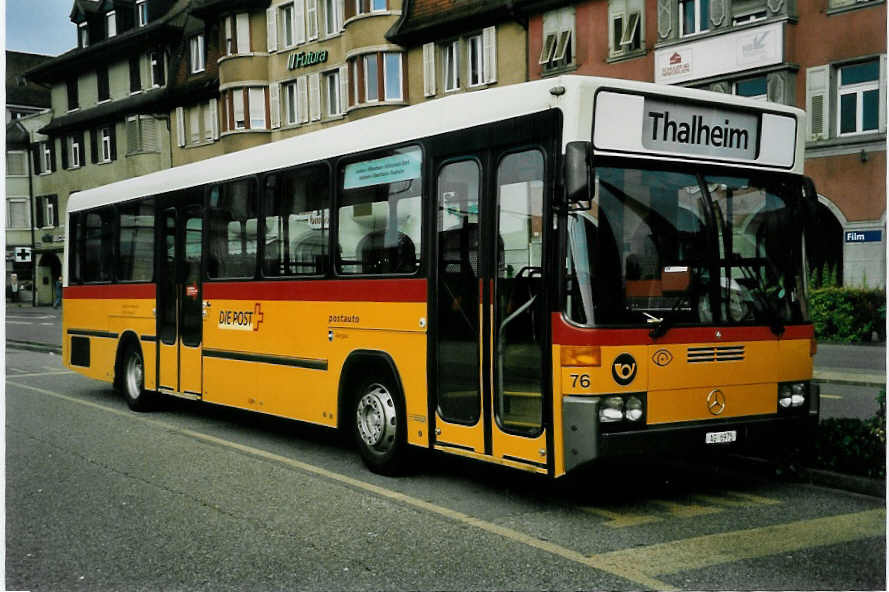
865, 485
34, 346
849, 381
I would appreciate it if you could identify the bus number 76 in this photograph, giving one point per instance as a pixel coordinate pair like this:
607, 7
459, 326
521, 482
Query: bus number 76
584, 380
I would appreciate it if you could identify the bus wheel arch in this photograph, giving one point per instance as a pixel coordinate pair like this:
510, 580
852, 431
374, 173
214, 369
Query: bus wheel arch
129, 373
371, 408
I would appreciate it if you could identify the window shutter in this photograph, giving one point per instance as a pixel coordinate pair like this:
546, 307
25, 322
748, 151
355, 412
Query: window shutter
149, 134
214, 114
340, 12
52, 154
299, 21
275, 105
271, 25
315, 96
161, 63
429, 69
302, 99
489, 42
344, 88
312, 18
35, 157
818, 102
54, 200
664, 18
132, 135
244, 43
883, 93
66, 143
94, 147
40, 213
180, 127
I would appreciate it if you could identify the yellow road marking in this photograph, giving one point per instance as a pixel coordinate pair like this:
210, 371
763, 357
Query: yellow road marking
823, 396
756, 499
620, 519
715, 549
686, 510
624, 570
640, 565
39, 374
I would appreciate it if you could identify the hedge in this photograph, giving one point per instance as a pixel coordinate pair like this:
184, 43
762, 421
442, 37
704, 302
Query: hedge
848, 315
853, 446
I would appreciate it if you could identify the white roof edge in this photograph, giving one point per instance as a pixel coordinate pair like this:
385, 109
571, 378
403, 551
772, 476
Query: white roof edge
449, 113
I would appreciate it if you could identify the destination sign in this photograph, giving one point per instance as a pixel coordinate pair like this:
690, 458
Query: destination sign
700, 130
399, 167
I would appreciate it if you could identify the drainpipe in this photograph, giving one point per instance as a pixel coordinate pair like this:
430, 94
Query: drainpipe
33, 251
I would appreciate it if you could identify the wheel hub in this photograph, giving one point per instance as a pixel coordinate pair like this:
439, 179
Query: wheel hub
376, 418
135, 376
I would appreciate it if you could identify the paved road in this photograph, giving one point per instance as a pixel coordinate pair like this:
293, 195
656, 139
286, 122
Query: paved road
196, 497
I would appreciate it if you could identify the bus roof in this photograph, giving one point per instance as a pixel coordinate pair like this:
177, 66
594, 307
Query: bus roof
571, 94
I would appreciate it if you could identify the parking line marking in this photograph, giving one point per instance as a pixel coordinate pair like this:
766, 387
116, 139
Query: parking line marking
620, 519
823, 396
19, 370
54, 373
622, 568
716, 549
686, 510
756, 499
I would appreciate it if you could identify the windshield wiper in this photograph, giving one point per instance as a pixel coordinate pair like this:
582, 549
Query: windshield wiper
665, 323
759, 292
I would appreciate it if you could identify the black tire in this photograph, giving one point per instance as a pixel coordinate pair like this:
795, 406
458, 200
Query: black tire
132, 380
379, 425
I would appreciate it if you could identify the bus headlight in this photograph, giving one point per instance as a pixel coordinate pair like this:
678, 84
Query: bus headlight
792, 395
617, 409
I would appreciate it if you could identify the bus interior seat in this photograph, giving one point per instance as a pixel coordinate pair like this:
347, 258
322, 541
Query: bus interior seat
376, 257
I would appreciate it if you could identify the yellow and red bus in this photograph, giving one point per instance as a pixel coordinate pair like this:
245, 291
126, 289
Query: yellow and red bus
538, 276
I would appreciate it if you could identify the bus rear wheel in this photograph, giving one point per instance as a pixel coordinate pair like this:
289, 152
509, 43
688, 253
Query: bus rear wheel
379, 427
133, 382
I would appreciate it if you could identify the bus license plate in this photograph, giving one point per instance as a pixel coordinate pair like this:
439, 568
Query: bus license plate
721, 437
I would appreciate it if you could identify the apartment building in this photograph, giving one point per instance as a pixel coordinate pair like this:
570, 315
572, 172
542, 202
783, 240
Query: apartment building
825, 56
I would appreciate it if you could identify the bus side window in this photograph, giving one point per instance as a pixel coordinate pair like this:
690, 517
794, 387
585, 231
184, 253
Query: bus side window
135, 260
296, 207
74, 248
98, 239
232, 230
380, 214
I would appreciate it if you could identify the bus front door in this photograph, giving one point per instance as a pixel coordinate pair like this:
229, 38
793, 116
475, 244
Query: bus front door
490, 315
179, 297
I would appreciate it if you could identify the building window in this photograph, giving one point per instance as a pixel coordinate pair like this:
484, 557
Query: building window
74, 151
333, 19
18, 214
141, 12
752, 88
102, 88
625, 33
194, 125
110, 24
135, 75
197, 53
238, 108
750, 17
392, 76
694, 17
71, 86
845, 3
450, 58
83, 35
558, 39
105, 134
237, 33
47, 211
291, 103
332, 89
371, 79
46, 152
141, 134
157, 68
286, 19
256, 106
858, 92
475, 61
367, 6
16, 163
209, 111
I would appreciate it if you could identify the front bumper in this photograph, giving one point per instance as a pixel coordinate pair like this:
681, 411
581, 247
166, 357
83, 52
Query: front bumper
584, 441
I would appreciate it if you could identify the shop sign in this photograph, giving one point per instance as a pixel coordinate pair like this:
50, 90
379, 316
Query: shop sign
863, 236
306, 58
23, 254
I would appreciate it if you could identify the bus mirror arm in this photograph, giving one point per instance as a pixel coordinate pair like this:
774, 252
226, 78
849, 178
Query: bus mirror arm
809, 203
578, 176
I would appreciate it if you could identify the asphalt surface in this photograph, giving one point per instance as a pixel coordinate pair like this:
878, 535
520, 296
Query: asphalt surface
198, 497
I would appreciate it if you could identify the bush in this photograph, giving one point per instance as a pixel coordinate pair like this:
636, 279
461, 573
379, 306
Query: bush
848, 315
853, 446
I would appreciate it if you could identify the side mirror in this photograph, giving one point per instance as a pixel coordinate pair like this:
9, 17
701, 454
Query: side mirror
578, 176
809, 202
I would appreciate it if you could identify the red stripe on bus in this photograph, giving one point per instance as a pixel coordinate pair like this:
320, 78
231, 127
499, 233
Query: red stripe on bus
110, 291
565, 334
375, 290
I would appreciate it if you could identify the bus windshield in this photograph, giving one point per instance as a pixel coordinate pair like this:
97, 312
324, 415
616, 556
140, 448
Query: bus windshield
661, 247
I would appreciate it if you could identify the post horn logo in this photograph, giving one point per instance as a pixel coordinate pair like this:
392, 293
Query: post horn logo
716, 402
623, 370
662, 357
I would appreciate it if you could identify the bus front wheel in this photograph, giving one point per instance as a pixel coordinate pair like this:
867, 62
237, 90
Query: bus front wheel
133, 381
379, 427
